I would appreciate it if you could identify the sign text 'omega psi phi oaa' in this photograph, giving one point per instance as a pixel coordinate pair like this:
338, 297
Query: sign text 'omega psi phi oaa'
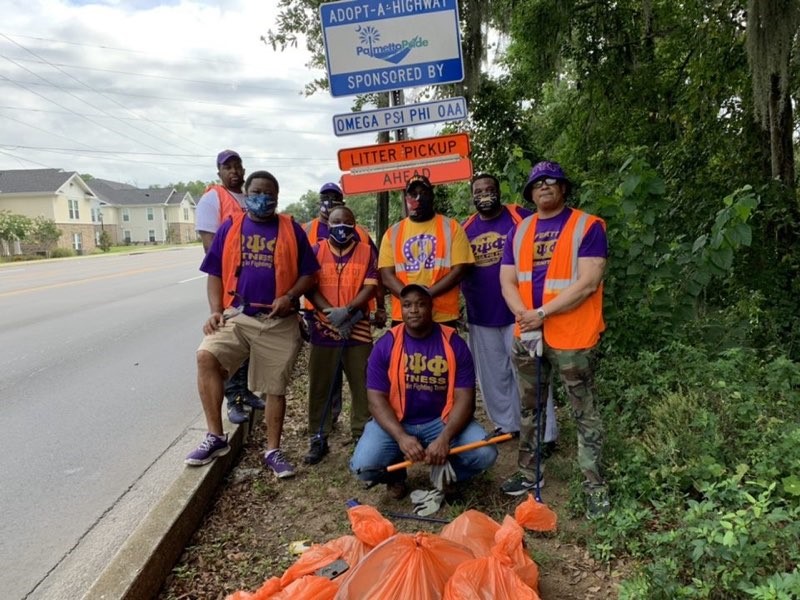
381, 45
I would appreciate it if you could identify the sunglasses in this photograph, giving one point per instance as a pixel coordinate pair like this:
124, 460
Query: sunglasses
547, 180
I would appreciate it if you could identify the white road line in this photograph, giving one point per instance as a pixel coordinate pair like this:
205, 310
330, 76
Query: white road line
4, 271
193, 278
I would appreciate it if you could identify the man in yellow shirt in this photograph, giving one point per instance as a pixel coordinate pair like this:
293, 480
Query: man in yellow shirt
428, 249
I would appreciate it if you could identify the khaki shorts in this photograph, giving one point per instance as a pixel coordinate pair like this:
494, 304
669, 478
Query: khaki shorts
271, 345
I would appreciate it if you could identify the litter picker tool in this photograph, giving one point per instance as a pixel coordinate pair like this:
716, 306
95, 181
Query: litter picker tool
457, 450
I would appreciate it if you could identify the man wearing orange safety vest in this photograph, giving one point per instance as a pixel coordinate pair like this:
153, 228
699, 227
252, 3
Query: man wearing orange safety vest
218, 204
552, 280
340, 332
258, 266
425, 248
421, 391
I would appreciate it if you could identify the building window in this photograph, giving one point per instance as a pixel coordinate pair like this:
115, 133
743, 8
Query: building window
185, 214
94, 215
126, 235
73, 209
77, 241
150, 215
152, 235
126, 215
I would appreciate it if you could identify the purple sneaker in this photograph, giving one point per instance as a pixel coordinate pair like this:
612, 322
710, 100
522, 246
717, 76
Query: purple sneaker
277, 462
210, 448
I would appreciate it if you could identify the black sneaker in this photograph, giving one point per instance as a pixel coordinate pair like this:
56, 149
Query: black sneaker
253, 401
316, 451
518, 484
237, 413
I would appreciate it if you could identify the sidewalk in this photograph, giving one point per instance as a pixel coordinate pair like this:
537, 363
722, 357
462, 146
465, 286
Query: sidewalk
138, 570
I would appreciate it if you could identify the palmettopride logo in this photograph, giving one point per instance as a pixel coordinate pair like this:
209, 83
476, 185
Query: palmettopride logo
392, 52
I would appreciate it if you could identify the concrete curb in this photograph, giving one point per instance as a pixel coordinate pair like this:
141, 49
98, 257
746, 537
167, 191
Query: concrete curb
142, 564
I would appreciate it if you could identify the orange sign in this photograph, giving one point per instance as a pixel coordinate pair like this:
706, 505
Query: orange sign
396, 178
405, 151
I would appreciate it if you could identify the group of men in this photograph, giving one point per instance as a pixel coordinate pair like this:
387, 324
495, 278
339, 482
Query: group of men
532, 286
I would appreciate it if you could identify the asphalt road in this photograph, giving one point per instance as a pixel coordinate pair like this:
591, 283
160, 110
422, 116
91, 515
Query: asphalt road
97, 382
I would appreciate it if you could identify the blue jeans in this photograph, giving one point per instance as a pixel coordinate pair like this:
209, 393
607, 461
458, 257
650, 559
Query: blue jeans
376, 450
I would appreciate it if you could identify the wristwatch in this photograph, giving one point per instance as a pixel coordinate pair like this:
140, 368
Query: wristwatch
541, 313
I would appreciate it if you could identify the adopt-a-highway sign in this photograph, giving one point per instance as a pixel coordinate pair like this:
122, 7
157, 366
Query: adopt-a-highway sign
404, 115
382, 45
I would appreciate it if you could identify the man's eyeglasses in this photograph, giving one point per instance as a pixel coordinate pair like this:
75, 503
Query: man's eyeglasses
547, 180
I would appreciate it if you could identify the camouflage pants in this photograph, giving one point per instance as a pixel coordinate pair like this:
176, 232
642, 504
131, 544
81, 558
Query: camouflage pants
575, 368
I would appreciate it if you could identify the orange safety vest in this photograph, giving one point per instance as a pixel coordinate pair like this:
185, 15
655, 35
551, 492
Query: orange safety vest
397, 389
513, 210
445, 232
580, 327
339, 288
228, 205
284, 260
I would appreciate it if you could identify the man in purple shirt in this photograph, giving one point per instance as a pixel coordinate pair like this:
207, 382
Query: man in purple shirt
253, 296
490, 323
421, 392
551, 277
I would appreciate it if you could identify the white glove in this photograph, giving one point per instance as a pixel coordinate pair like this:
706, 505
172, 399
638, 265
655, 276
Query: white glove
441, 475
427, 503
337, 315
532, 340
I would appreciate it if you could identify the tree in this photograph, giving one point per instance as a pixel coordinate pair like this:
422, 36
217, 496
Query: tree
305, 209
105, 241
45, 234
195, 188
13, 228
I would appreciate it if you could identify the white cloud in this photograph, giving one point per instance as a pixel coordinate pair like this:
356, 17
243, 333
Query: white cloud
148, 93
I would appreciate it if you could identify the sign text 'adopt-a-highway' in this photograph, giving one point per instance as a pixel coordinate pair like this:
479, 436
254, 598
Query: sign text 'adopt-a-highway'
381, 45
404, 115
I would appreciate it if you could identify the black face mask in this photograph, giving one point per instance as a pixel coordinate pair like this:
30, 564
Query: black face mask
341, 233
327, 202
420, 206
487, 202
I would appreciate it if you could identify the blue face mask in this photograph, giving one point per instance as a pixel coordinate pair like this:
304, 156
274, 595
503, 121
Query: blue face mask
341, 233
261, 205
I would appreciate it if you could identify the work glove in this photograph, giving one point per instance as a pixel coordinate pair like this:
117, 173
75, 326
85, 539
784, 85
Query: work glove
442, 475
337, 315
427, 503
346, 328
532, 341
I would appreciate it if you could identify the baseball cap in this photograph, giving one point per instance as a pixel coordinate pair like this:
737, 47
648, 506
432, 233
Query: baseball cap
415, 287
226, 155
541, 170
421, 180
331, 187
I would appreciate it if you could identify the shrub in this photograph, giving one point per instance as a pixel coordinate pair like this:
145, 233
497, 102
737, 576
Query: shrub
62, 253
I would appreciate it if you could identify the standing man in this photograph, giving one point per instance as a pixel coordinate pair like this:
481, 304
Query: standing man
258, 266
216, 205
421, 390
552, 280
341, 337
428, 249
490, 323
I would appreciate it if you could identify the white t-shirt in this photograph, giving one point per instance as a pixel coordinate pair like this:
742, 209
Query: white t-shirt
207, 212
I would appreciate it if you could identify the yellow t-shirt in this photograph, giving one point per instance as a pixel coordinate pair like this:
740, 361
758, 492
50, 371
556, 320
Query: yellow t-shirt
419, 250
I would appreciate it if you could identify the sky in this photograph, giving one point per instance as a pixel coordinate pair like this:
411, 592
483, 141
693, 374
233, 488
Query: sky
147, 93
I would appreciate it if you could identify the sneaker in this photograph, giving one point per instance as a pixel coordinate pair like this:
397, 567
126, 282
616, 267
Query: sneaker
397, 489
253, 401
237, 412
518, 484
499, 431
597, 504
277, 462
209, 449
316, 451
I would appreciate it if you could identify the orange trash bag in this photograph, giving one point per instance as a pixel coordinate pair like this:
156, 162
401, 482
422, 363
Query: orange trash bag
510, 551
486, 578
369, 525
267, 589
411, 567
348, 548
473, 529
535, 516
310, 587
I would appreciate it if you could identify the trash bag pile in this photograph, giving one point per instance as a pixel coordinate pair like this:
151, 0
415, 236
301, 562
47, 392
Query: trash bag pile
473, 558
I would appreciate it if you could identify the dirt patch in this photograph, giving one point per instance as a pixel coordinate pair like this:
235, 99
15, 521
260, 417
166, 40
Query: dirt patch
244, 539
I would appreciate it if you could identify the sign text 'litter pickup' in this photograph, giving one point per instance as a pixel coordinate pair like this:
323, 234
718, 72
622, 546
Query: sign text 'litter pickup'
407, 150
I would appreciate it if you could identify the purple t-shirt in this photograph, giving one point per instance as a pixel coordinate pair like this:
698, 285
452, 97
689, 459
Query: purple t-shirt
481, 286
426, 372
257, 278
321, 332
594, 244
